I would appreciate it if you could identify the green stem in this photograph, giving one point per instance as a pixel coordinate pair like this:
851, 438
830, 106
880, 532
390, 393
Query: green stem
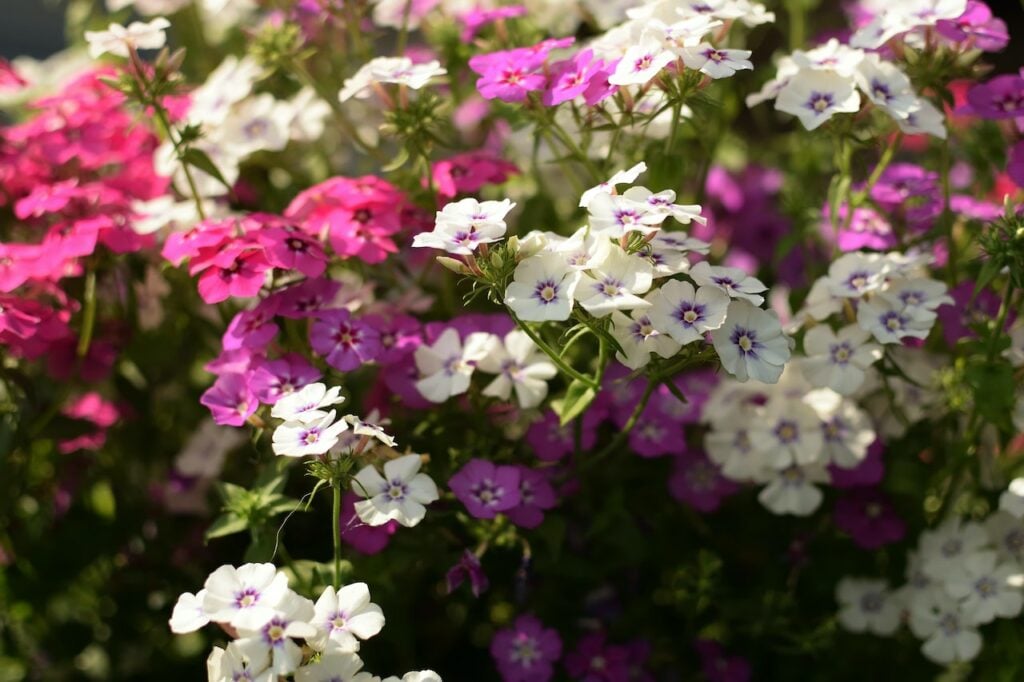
88, 314
1004, 312
336, 528
169, 130
550, 352
634, 417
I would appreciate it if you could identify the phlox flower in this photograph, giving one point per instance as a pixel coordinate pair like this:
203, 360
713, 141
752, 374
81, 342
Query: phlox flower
622, 177
717, 63
237, 271
976, 25
1011, 500
447, 365
733, 281
527, 651
467, 568
787, 433
615, 283
584, 250
886, 86
944, 549
987, 589
698, 483
617, 215
1006, 533
543, 289
290, 248
816, 96
230, 399
343, 341
272, 380
462, 226
855, 274
291, 618
848, 435
521, 366
792, 490
240, 660
119, 40
244, 597
535, 497
869, 518
335, 666
833, 56
189, 613
307, 404
890, 320
399, 70
399, 495
468, 172
897, 18
550, 441
595, 660
571, 78
509, 75
686, 313
298, 439
664, 201
750, 343
258, 123
838, 360
639, 338
867, 606
344, 617
642, 61
949, 634
925, 120
485, 488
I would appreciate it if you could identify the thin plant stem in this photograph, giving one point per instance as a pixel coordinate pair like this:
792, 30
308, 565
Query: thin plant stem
550, 352
336, 531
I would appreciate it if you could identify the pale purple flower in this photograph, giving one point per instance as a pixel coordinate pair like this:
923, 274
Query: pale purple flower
527, 651
272, 379
535, 497
343, 341
485, 488
698, 483
230, 400
868, 517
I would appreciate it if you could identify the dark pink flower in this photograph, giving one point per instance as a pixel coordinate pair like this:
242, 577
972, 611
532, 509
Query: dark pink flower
719, 667
594, 660
976, 25
551, 441
868, 517
305, 299
467, 173
572, 77
363, 538
253, 329
485, 488
237, 271
290, 248
868, 472
230, 400
478, 17
527, 651
1015, 164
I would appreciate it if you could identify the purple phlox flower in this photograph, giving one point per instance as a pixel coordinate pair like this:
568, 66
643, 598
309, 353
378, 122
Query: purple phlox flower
551, 441
968, 310
304, 299
535, 497
869, 472
717, 666
485, 488
363, 538
976, 25
271, 379
467, 567
253, 329
571, 78
1015, 164
230, 400
868, 516
399, 334
594, 660
343, 341
698, 483
527, 651
474, 19
998, 98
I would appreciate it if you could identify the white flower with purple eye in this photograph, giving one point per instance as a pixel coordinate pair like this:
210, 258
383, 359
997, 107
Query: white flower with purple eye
732, 281
642, 61
615, 216
244, 597
521, 366
838, 361
298, 439
257, 123
751, 344
903, 16
189, 613
816, 96
668, 252
867, 606
639, 338
367, 428
1007, 535
664, 201
730, 446
785, 69
679, 34
787, 433
793, 491
290, 619
243, 660
855, 274
920, 294
584, 250
307, 404
944, 549
415, 676
716, 62
399, 70
986, 588
615, 283
926, 119
447, 365
891, 321
887, 86
622, 177
335, 666
461, 226
542, 289
848, 433
832, 56
685, 313
120, 40
344, 617
949, 634
399, 495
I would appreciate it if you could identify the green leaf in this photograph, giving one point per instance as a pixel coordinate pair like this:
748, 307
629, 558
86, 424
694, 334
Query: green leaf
226, 524
577, 398
201, 160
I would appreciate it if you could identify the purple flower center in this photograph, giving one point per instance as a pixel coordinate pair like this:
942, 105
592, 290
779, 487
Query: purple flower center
871, 602
840, 353
487, 493
546, 291
273, 632
820, 102
689, 313
247, 597
745, 340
